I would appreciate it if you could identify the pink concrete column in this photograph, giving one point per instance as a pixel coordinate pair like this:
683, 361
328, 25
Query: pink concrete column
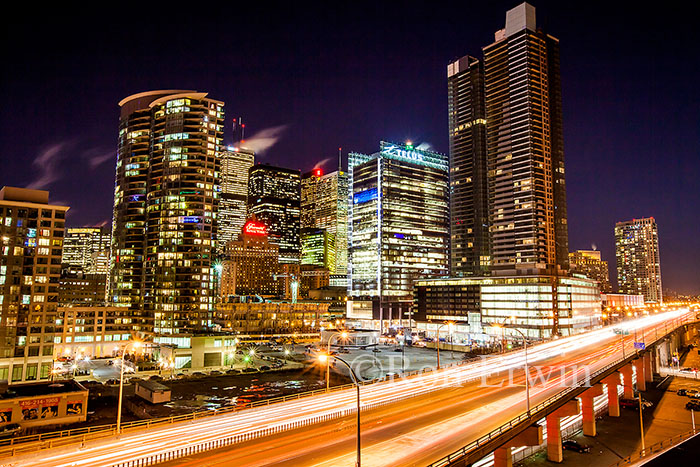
503, 457
628, 389
587, 409
613, 401
648, 370
554, 451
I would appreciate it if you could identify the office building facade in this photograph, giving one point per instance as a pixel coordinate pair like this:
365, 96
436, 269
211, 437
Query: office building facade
31, 246
251, 264
274, 198
165, 205
469, 208
638, 263
233, 205
590, 264
87, 248
524, 145
399, 224
324, 205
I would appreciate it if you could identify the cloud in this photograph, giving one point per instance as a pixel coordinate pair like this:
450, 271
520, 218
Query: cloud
322, 163
424, 146
263, 140
47, 163
98, 156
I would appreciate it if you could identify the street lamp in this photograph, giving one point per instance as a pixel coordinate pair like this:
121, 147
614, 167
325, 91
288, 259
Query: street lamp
136, 345
324, 358
449, 325
527, 372
344, 335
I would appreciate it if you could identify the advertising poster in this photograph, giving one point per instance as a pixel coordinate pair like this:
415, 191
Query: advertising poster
5, 415
74, 408
36, 408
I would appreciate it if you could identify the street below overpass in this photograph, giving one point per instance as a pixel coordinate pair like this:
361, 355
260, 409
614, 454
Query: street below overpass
411, 421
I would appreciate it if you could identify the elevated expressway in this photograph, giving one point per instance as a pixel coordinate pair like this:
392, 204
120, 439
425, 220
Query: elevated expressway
453, 416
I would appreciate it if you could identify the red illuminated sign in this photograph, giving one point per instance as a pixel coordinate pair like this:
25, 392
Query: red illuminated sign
318, 172
254, 228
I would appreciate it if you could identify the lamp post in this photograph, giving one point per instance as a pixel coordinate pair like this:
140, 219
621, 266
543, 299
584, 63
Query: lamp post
527, 369
136, 345
446, 323
324, 358
344, 335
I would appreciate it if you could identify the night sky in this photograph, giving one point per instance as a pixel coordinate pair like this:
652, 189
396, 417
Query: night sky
312, 78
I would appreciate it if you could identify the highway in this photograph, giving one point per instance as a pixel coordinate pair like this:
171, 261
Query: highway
415, 420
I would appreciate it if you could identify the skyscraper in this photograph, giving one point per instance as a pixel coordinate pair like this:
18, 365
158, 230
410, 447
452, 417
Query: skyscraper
324, 205
399, 221
637, 253
87, 248
274, 198
31, 245
524, 144
165, 203
469, 208
233, 205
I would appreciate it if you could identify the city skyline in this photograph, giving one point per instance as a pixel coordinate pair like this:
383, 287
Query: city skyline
630, 145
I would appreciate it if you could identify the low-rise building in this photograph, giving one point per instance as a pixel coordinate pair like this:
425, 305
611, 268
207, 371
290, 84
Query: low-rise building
152, 391
539, 306
271, 317
44, 403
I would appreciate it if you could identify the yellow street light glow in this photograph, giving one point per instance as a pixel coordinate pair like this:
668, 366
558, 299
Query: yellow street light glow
344, 335
323, 358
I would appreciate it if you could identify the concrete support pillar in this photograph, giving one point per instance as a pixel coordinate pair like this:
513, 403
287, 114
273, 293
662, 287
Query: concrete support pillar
613, 401
648, 370
554, 450
639, 365
587, 409
628, 389
503, 456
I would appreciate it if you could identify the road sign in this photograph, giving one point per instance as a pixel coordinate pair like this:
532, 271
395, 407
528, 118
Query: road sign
623, 332
639, 345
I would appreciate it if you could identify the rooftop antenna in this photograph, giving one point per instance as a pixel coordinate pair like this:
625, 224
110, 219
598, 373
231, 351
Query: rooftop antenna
340, 160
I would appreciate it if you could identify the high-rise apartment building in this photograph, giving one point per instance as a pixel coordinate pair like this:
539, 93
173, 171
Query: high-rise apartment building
233, 205
274, 198
590, 264
31, 246
87, 248
166, 199
469, 209
324, 205
637, 253
399, 224
318, 248
524, 145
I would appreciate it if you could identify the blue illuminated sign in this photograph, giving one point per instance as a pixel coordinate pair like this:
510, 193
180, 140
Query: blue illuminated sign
191, 220
365, 196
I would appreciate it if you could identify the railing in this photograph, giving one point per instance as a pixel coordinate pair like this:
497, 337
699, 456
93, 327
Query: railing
540, 410
656, 448
40, 441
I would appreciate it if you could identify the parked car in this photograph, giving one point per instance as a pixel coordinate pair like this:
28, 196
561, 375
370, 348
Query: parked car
634, 404
264, 368
575, 446
693, 394
198, 374
693, 404
232, 372
215, 373
682, 392
10, 430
